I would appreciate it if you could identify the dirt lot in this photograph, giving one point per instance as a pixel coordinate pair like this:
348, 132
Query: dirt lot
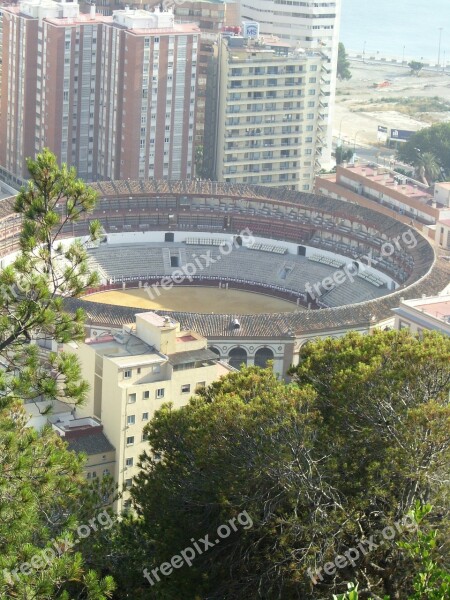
408, 102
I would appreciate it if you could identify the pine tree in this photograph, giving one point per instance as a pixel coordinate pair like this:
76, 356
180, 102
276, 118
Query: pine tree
42, 491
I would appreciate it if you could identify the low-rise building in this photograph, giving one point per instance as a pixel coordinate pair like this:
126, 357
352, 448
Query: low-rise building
132, 373
85, 436
431, 313
443, 233
390, 193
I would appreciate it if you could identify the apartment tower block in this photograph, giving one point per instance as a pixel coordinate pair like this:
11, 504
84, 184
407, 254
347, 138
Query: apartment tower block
113, 96
308, 24
270, 119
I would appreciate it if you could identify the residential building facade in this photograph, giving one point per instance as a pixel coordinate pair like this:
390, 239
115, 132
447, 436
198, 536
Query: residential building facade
83, 435
113, 96
132, 373
390, 193
429, 313
311, 25
86, 436
209, 16
270, 120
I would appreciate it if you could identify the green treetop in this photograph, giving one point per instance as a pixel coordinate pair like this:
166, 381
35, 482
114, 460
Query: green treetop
43, 495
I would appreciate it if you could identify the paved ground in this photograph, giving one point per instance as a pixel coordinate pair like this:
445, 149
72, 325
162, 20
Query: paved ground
359, 110
196, 299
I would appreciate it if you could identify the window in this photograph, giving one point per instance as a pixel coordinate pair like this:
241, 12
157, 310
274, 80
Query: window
131, 419
94, 474
88, 475
160, 393
200, 385
146, 395
145, 416
139, 371
127, 374
105, 472
131, 398
130, 440
144, 437
186, 388
129, 462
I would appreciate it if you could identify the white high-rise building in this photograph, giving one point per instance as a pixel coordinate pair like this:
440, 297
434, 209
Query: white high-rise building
270, 116
309, 24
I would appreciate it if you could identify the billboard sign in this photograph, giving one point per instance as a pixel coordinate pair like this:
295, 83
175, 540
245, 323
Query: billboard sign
401, 135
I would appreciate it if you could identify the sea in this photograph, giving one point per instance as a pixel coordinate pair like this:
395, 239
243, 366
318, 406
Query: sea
397, 28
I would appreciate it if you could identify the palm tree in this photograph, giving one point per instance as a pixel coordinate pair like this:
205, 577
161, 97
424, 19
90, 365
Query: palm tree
427, 168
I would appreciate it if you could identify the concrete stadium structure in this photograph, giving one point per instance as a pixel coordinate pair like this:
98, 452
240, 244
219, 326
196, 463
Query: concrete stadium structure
154, 228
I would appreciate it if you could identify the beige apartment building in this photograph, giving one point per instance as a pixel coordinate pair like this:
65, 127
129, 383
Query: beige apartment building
133, 372
311, 25
113, 96
84, 435
271, 118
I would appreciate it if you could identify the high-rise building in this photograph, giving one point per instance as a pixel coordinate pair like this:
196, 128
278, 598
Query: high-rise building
209, 15
309, 24
270, 117
112, 96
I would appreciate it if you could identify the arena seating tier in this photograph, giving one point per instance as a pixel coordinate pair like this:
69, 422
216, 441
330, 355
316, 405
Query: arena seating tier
288, 272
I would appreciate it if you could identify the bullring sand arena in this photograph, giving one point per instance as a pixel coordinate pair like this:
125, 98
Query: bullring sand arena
270, 295
196, 299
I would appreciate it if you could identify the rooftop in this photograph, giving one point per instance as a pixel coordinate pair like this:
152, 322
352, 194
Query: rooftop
123, 348
91, 444
68, 427
435, 307
403, 185
136, 20
191, 356
439, 310
186, 338
157, 320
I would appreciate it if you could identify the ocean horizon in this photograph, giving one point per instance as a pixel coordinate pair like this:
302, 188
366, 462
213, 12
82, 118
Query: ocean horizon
404, 28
